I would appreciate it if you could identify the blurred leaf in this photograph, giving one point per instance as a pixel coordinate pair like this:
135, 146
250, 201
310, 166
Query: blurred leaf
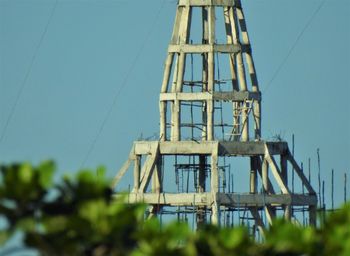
235, 239
55, 224
26, 224
285, 237
25, 173
336, 232
174, 239
46, 171
101, 172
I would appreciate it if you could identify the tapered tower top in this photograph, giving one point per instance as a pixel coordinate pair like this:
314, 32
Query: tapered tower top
222, 102
210, 116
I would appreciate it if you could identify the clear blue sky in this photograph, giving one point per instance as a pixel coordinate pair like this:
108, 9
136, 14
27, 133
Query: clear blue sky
94, 51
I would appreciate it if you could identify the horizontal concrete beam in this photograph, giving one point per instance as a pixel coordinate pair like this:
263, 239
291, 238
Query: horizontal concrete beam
237, 96
206, 48
188, 147
232, 148
177, 147
262, 200
229, 200
241, 148
209, 3
251, 148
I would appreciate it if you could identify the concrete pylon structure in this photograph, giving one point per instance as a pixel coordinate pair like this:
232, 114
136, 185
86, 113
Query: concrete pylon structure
206, 121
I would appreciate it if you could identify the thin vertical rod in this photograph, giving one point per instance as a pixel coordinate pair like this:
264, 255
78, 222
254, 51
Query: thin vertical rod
201, 211
345, 186
293, 147
332, 189
323, 198
302, 169
232, 183
309, 169
221, 105
319, 175
229, 180
303, 192
323, 203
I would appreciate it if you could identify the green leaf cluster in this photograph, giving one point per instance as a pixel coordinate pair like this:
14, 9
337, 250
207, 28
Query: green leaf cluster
23, 190
78, 216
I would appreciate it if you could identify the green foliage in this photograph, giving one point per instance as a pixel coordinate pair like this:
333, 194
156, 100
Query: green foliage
75, 217
174, 239
78, 216
336, 233
285, 238
22, 191
212, 240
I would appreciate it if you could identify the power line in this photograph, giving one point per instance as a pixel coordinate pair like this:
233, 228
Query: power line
24, 82
284, 61
124, 82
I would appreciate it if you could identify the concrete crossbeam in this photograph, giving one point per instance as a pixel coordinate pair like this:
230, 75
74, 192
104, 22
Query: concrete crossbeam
239, 96
202, 3
233, 148
223, 199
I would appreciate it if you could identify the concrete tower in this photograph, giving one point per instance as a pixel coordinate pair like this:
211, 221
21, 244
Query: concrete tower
210, 115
